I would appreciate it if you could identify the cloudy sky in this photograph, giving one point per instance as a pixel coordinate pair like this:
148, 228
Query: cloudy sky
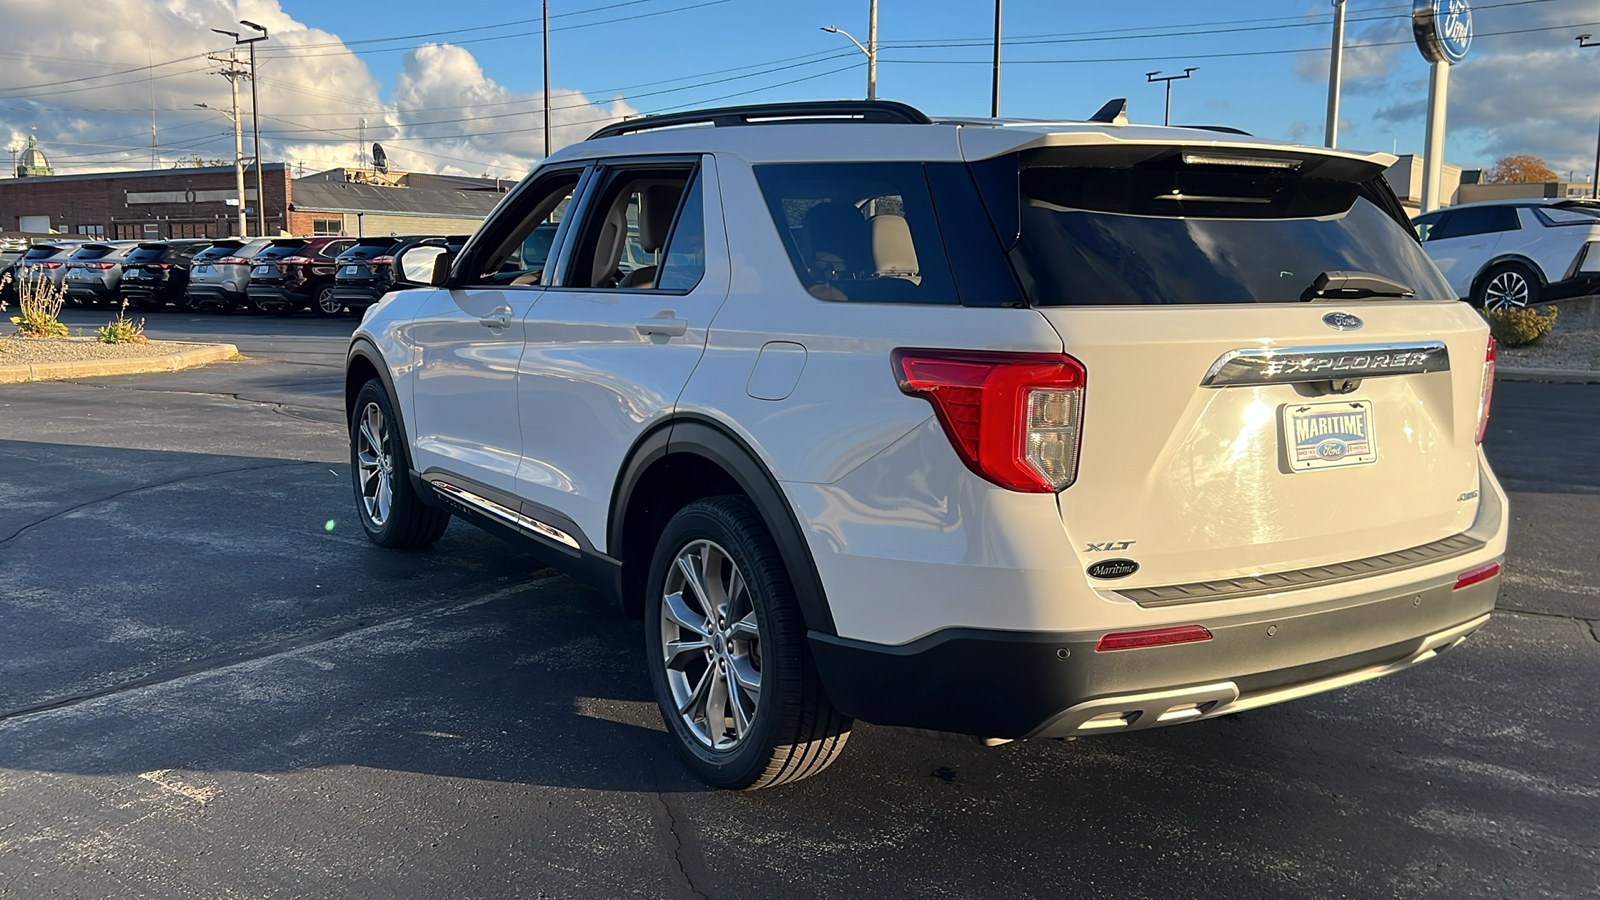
458, 87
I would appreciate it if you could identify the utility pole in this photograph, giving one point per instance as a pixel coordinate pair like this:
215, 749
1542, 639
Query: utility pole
994, 90
149, 49
872, 50
1583, 41
546, 33
233, 73
1169, 79
255, 125
1330, 134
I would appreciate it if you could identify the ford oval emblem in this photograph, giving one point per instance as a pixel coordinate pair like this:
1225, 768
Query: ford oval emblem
1113, 568
1341, 321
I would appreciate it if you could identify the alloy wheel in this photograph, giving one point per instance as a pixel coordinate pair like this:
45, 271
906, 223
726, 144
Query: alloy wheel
327, 304
711, 645
375, 464
1507, 289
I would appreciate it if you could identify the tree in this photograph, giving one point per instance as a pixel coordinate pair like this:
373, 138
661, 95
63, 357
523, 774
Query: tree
1521, 168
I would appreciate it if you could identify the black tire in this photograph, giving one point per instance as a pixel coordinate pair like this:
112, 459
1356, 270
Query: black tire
408, 523
1507, 285
794, 731
324, 306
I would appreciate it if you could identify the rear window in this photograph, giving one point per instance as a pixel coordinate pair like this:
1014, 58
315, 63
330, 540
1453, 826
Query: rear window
43, 252
1173, 226
280, 251
859, 231
96, 252
215, 251
369, 249
146, 254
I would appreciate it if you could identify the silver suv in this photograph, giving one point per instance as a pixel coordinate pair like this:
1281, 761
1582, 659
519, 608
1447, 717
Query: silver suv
1007, 429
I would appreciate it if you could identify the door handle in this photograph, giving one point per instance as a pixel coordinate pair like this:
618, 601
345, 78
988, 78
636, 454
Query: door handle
500, 318
664, 323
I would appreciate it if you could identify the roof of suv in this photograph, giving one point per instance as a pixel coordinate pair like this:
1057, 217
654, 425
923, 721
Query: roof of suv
882, 130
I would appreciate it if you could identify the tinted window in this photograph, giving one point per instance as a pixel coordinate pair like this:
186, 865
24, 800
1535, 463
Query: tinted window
1424, 225
279, 251
93, 253
146, 254
859, 231
215, 251
335, 248
369, 249
1567, 215
1471, 220
1165, 231
684, 263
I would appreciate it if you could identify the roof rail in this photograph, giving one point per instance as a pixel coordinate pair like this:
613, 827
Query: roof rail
1225, 129
873, 111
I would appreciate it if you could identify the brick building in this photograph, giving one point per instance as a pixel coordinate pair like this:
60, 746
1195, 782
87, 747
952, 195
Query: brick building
162, 203
203, 203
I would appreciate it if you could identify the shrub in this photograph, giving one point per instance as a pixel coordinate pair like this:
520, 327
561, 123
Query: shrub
1516, 326
39, 303
122, 330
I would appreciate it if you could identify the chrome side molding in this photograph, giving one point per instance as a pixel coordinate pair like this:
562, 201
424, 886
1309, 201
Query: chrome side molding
1290, 365
504, 513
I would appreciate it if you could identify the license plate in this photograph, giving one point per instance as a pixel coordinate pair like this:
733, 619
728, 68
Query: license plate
1329, 435
351, 270
200, 270
262, 270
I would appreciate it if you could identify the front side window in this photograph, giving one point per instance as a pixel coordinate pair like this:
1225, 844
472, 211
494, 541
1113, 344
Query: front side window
518, 257
1425, 224
859, 231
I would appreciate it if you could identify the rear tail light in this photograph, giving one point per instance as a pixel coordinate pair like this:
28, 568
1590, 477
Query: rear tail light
100, 265
1487, 393
1013, 418
1153, 637
51, 265
294, 261
233, 261
380, 261
1472, 576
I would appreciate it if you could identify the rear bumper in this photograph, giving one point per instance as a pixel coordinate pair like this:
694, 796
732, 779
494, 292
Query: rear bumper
82, 291
214, 293
357, 296
1002, 684
263, 295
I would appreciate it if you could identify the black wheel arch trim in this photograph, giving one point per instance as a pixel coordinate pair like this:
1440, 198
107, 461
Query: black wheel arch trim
706, 438
363, 347
1519, 259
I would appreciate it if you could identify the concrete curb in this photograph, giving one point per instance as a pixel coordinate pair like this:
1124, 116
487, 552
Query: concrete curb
172, 362
1559, 376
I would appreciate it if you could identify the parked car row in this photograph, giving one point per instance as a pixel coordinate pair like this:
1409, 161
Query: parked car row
281, 276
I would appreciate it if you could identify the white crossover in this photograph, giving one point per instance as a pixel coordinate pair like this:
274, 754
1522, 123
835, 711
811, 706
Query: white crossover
1009, 429
1508, 253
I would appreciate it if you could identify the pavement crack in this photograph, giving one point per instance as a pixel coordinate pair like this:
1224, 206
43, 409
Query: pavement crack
221, 661
144, 487
1593, 624
679, 832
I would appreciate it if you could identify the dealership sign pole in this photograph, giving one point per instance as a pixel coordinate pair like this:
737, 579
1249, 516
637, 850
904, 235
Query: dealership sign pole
1443, 29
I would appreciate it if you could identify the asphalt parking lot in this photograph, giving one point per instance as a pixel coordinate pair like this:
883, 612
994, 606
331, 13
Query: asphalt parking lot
212, 686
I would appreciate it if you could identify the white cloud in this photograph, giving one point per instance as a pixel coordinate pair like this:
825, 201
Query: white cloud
313, 93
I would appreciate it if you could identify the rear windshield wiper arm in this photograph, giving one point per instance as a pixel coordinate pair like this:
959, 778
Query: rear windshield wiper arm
1348, 285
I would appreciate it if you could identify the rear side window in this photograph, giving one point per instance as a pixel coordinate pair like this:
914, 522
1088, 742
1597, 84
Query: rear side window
1141, 226
863, 232
1473, 220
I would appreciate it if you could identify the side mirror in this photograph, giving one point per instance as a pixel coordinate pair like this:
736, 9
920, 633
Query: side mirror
423, 266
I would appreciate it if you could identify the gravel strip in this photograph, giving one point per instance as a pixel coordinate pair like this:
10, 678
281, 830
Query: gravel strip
1578, 351
17, 351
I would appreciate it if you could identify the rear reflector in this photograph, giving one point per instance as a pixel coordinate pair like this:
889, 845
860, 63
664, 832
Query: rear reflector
1472, 576
1153, 637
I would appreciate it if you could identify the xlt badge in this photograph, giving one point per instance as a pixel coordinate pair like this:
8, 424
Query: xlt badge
1109, 546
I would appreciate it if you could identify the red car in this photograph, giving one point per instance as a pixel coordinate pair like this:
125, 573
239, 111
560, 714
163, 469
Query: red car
297, 273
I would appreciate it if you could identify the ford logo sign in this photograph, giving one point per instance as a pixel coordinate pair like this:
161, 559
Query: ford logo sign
1113, 568
1340, 321
1443, 29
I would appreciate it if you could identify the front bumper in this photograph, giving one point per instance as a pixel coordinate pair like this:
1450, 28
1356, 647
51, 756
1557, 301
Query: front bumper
1000, 684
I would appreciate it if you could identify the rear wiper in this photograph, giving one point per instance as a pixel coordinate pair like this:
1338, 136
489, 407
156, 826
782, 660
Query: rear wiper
1339, 285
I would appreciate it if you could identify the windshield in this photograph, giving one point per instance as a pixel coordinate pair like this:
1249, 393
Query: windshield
1168, 232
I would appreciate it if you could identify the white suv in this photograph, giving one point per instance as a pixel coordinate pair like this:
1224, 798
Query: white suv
1506, 253
1007, 429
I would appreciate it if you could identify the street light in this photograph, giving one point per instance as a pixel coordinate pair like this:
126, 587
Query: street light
238, 153
1169, 79
1583, 41
872, 54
